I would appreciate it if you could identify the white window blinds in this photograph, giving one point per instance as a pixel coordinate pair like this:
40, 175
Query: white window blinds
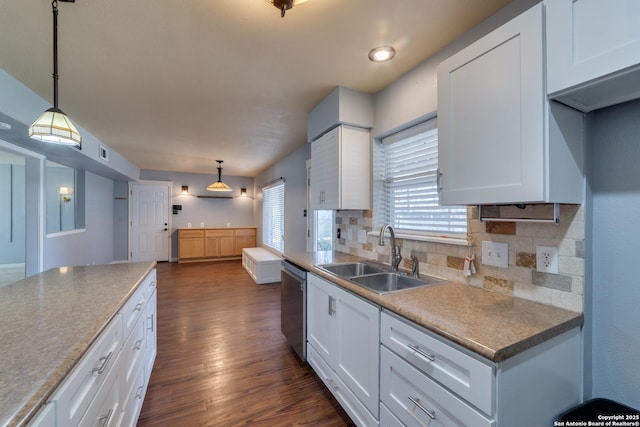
273, 216
408, 189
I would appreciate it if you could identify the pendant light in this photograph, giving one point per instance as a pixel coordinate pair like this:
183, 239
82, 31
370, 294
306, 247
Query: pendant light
53, 125
285, 5
219, 185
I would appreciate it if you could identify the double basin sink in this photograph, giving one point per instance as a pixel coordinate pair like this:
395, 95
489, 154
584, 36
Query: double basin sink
378, 278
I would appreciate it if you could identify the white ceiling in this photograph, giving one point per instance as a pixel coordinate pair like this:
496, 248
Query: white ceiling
192, 81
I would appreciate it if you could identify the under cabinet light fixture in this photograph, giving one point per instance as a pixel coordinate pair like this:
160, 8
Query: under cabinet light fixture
53, 125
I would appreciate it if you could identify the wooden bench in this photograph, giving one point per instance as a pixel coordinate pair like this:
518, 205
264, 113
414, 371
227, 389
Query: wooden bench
263, 266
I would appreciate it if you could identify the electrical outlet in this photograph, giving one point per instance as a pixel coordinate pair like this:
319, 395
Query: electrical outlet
349, 233
496, 254
547, 259
362, 236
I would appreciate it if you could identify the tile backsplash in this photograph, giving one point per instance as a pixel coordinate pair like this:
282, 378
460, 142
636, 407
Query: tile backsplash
520, 279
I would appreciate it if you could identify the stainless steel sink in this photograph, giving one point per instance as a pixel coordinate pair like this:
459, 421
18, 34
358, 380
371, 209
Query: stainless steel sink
351, 269
387, 282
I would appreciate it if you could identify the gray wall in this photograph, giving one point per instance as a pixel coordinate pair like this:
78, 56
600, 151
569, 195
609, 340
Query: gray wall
236, 211
294, 169
94, 245
12, 213
612, 294
414, 96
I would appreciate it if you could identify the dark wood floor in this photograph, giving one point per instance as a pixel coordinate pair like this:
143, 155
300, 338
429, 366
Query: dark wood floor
222, 360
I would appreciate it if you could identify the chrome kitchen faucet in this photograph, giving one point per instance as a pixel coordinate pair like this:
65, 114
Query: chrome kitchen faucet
396, 257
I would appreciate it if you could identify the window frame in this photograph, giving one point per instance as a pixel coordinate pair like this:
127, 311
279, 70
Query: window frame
382, 200
273, 234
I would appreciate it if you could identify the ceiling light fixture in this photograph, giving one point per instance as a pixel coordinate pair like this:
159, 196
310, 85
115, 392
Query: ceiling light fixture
53, 125
382, 54
285, 5
219, 185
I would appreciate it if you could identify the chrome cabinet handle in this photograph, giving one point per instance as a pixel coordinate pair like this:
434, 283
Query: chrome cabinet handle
105, 418
416, 401
105, 360
139, 392
421, 352
332, 305
150, 319
137, 345
138, 306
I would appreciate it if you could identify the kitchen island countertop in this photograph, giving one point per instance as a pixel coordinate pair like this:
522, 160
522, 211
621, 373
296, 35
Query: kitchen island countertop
48, 321
491, 324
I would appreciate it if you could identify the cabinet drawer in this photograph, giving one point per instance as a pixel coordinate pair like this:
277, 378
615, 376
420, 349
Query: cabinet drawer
245, 232
133, 402
75, 394
468, 377
349, 402
190, 233
133, 309
106, 408
219, 233
417, 400
150, 283
133, 352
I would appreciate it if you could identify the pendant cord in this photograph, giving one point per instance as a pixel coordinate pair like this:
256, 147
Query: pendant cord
54, 5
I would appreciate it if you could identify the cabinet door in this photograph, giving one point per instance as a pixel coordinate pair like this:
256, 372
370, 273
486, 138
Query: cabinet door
357, 351
190, 248
212, 247
321, 317
590, 39
324, 171
490, 117
227, 246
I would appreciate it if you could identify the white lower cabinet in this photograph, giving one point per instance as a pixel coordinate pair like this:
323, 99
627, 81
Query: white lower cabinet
343, 347
418, 400
426, 380
106, 387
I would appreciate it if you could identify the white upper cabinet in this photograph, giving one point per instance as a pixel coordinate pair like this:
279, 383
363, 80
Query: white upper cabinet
593, 52
341, 170
500, 140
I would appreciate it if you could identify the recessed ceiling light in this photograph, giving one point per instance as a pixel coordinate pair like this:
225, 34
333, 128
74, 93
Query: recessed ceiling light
382, 54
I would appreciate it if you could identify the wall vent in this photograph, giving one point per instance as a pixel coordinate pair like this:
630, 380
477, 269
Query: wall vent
103, 153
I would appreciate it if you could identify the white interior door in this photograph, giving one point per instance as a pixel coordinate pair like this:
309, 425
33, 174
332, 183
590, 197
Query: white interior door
149, 221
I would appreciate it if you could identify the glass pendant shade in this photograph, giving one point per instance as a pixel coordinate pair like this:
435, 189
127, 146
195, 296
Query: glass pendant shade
219, 185
54, 126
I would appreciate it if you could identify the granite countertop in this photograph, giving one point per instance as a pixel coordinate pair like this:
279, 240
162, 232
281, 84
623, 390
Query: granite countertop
493, 325
47, 323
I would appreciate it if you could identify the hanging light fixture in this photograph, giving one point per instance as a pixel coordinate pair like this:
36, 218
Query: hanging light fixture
219, 185
285, 5
53, 125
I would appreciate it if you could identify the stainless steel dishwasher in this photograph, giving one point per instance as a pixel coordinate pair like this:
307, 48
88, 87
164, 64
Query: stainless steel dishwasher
293, 308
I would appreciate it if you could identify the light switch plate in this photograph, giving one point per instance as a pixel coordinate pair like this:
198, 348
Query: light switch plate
496, 254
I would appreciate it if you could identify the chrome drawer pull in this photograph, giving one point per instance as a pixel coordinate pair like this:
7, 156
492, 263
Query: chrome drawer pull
137, 345
139, 393
138, 306
430, 414
103, 366
333, 384
421, 352
105, 418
